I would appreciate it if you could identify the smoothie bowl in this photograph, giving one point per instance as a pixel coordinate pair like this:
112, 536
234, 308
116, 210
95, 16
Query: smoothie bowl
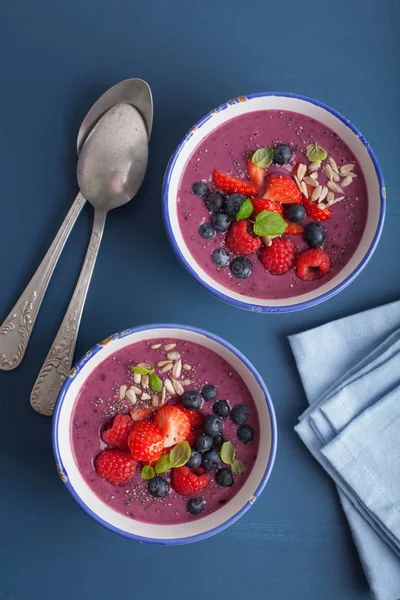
164, 434
274, 202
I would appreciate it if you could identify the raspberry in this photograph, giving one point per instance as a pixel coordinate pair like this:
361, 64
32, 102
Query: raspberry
239, 240
313, 263
118, 433
279, 257
115, 466
186, 482
145, 441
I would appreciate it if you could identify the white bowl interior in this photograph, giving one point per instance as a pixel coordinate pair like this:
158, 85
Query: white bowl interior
74, 478
306, 108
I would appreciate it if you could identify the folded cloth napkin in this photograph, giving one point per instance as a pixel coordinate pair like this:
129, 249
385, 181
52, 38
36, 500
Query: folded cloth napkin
352, 427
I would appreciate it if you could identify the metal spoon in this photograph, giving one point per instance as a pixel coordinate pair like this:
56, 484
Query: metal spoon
110, 171
17, 327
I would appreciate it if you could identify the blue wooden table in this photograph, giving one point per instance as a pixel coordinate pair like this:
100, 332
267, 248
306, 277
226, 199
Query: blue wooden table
56, 59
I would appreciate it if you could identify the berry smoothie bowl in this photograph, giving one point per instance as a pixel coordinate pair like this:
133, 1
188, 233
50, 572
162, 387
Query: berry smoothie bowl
274, 202
164, 434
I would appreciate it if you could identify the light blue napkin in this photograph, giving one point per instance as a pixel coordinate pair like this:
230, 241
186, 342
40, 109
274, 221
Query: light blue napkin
350, 370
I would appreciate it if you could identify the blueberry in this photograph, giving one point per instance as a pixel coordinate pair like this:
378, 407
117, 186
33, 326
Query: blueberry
194, 460
207, 231
221, 408
220, 221
213, 425
211, 460
241, 267
315, 234
220, 257
200, 188
204, 443
282, 154
214, 202
295, 213
240, 414
196, 506
245, 434
218, 441
158, 487
224, 478
209, 392
233, 203
192, 400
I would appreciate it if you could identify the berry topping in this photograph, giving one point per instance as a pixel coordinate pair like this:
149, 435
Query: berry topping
312, 264
118, 434
185, 482
213, 425
195, 459
221, 408
315, 234
295, 213
260, 204
145, 441
192, 400
230, 185
220, 221
283, 189
279, 257
315, 213
204, 443
209, 392
220, 257
256, 174
173, 423
115, 466
214, 202
158, 487
207, 231
233, 203
218, 441
240, 414
294, 228
239, 239
224, 478
200, 188
192, 437
196, 506
245, 434
241, 267
211, 460
138, 414
282, 154
195, 418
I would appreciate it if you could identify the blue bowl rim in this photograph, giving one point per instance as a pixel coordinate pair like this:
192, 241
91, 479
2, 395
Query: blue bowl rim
258, 307
173, 541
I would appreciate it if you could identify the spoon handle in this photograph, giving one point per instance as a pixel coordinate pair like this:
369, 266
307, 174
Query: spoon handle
58, 362
17, 328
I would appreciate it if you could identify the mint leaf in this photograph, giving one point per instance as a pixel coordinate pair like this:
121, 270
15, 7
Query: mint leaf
245, 211
238, 467
227, 453
163, 464
262, 157
147, 472
140, 370
269, 223
179, 455
315, 153
155, 382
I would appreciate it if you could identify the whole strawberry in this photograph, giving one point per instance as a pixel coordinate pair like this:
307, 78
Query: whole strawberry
279, 257
145, 441
186, 482
239, 239
115, 466
118, 433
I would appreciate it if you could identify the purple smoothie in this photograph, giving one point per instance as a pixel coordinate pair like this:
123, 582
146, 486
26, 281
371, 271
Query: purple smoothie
227, 149
99, 401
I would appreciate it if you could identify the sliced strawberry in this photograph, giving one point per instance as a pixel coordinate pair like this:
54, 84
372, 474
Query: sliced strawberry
195, 417
138, 414
260, 204
282, 189
315, 213
256, 174
174, 424
294, 229
230, 185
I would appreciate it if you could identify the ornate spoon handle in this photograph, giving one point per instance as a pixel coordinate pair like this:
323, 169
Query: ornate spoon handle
16, 329
58, 362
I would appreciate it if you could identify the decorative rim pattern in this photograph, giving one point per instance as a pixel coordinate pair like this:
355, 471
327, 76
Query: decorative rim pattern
258, 307
173, 541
